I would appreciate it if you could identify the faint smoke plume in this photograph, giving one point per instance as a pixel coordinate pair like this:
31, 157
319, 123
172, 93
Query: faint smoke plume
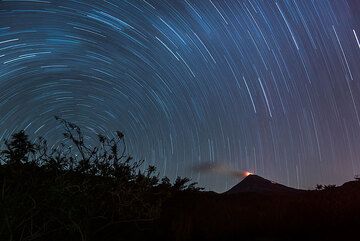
219, 168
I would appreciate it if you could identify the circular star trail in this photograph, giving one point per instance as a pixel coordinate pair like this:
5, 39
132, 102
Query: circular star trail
270, 87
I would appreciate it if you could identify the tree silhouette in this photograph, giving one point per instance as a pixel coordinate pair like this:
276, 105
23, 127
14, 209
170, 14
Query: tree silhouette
75, 190
18, 149
329, 187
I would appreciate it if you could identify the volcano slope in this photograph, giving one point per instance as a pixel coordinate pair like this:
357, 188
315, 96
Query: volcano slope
258, 209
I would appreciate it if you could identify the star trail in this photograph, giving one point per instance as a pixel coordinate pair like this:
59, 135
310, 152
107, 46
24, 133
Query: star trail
270, 87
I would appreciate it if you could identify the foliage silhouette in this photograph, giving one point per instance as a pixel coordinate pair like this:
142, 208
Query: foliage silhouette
78, 192
325, 187
18, 149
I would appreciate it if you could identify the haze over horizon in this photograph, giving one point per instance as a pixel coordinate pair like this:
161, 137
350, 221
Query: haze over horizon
270, 87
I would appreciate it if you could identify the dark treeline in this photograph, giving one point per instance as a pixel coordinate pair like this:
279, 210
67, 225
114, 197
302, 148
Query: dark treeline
78, 192
324, 215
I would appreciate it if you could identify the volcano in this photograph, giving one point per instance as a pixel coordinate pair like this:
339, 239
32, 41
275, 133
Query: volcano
256, 184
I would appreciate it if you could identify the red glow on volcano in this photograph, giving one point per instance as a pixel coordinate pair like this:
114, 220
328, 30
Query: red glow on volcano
247, 173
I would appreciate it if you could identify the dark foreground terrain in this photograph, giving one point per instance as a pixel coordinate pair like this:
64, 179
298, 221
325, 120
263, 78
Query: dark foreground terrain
99, 193
48, 206
331, 214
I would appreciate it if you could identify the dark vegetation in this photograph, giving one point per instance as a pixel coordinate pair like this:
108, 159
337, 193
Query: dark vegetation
81, 192
311, 215
329, 214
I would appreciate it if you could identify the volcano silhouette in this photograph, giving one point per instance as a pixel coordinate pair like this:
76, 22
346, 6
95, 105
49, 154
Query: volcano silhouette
257, 184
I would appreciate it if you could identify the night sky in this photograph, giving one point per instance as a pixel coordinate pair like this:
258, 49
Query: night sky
201, 88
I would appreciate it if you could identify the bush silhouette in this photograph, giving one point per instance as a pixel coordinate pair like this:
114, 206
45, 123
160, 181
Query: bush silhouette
78, 192
18, 149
